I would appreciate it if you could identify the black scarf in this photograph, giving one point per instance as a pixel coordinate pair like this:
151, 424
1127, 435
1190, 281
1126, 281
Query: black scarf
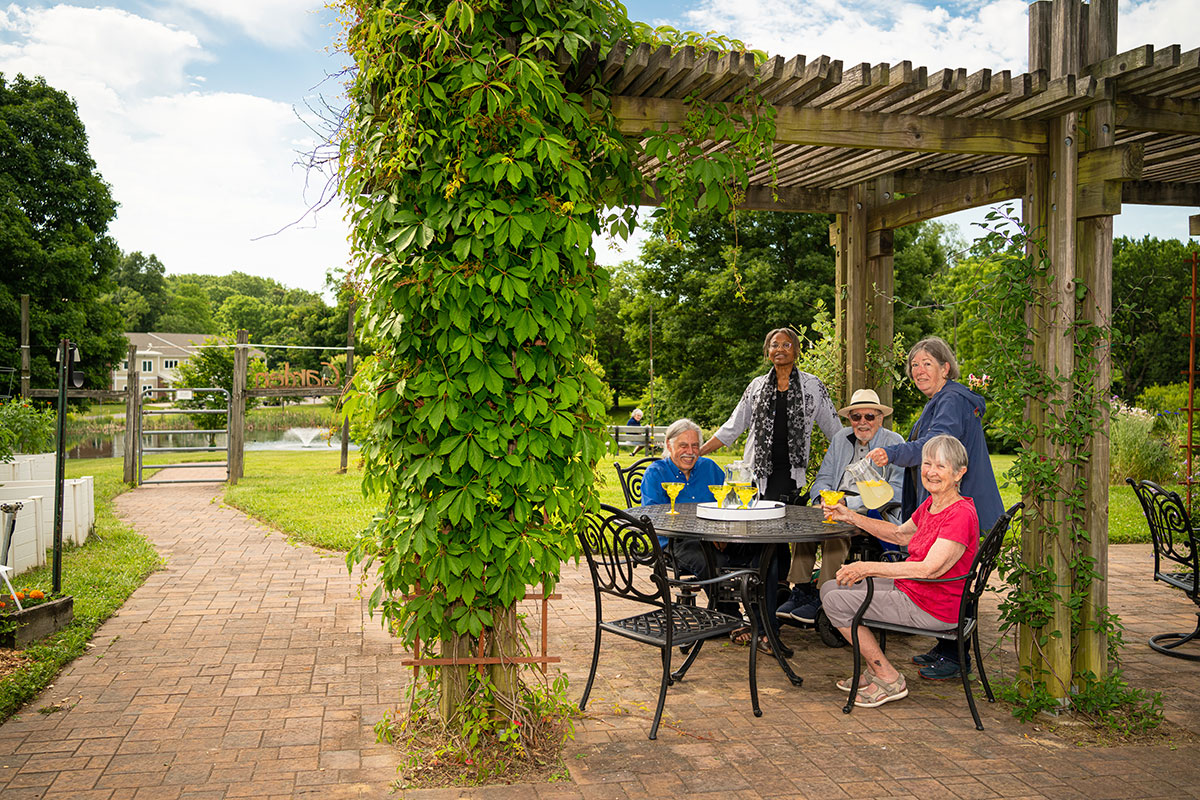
762, 422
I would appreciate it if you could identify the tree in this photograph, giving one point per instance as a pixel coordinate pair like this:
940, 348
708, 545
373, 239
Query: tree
617, 359
188, 311
1151, 284
54, 213
141, 293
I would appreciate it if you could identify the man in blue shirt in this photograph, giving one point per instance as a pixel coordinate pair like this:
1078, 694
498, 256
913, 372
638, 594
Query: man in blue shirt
683, 464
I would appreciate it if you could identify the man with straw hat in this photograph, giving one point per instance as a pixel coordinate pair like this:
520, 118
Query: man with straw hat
865, 414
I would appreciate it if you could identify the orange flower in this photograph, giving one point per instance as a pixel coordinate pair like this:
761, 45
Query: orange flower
37, 594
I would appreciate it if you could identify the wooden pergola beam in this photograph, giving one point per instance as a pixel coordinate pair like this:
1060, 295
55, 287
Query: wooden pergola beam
857, 129
977, 190
1150, 193
1159, 114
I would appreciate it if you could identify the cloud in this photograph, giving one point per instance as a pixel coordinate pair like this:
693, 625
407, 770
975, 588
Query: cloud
276, 23
991, 35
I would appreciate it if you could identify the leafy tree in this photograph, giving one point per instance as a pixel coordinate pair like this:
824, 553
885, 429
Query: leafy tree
615, 355
188, 311
212, 367
1151, 284
141, 293
54, 213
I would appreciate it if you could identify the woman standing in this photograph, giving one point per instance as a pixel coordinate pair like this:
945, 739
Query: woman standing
779, 408
955, 410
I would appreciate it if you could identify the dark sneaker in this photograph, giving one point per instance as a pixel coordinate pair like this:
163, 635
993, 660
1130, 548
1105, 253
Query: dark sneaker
808, 611
796, 598
926, 659
943, 670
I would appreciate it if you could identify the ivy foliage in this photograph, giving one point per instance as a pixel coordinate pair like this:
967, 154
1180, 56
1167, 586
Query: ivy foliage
476, 176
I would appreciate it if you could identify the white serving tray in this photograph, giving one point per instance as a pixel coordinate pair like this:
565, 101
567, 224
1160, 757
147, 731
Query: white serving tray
762, 509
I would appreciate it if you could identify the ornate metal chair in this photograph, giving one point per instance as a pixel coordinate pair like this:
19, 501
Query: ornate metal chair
631, 480
1176, 560
626, 562
964, 634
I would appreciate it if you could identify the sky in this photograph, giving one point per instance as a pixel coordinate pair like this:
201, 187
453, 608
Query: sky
199, 112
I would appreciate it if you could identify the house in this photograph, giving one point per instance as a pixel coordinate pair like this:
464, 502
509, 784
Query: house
159, 356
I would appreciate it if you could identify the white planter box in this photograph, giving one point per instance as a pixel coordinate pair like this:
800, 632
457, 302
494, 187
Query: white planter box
79, 507
23, 550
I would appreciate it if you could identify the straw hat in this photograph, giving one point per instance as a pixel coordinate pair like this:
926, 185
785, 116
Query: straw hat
865, 398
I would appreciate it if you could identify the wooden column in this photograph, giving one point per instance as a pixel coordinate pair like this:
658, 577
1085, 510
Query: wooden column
237, 407
881, 288
1094, 268
133, 416
851, 289
1194, 225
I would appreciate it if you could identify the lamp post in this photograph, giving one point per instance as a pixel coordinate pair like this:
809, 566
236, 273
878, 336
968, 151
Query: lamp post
68, 357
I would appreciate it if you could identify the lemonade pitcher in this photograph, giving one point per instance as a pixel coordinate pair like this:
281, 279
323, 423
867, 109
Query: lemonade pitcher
737, 475
873, 490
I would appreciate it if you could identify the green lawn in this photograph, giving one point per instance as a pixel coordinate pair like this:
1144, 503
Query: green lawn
276, 484
100, 575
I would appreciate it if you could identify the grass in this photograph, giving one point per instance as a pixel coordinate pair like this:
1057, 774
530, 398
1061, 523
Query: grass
100, 575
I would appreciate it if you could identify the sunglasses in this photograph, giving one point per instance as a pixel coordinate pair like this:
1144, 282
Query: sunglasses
860, 417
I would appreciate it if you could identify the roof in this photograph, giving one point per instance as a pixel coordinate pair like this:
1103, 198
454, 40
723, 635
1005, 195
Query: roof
171, 345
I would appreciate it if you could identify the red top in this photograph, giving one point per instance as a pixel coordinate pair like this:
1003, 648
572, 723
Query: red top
958, 523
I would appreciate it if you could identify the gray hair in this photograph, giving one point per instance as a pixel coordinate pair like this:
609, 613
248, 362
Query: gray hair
948, 449
680, 426
937, 348
637, 412
791, 334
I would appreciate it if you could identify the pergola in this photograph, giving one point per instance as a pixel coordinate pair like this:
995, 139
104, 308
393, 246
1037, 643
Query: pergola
886, 145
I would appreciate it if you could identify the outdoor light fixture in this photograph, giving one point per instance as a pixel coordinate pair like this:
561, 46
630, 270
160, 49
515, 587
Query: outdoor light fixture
70, 376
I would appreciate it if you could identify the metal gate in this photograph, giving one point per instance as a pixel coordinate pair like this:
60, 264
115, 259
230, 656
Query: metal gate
144, 436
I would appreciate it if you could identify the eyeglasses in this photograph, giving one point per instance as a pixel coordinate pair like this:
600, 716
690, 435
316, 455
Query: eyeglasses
860, 417
778, 345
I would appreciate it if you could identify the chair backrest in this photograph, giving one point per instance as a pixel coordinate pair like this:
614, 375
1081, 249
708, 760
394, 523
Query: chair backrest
631, 480
624, 557
983, 564
1170, 526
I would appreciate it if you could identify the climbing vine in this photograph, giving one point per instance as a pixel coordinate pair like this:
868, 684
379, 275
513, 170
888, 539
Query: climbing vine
478, 159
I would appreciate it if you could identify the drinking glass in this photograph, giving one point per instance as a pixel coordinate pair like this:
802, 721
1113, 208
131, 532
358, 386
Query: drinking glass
719, 490
672, 488
831, 498
745, 493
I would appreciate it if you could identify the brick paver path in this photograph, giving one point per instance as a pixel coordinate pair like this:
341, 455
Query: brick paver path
247, 668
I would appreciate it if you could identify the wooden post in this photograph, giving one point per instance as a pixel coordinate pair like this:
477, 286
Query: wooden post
25, 366
851, 289
1194, 225
1095, 272
133, 415
349, 374
237, 407
880, 288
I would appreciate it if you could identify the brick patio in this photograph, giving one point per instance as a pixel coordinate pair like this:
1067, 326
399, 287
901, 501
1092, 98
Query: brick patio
249, 668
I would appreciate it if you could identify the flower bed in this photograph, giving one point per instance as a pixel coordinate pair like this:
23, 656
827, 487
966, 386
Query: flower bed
40, 617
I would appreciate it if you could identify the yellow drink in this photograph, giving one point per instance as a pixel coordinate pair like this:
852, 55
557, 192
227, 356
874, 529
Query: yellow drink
831, 498
672, 488
745, 493
875, 494
719, 491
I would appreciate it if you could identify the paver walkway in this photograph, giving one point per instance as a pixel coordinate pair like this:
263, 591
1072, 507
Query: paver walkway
247, 668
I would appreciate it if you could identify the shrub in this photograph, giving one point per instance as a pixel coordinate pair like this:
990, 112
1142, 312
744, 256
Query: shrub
24, 428
1137, 452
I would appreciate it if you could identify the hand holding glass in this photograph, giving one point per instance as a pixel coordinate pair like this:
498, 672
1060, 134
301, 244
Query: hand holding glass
831, 498
672, 489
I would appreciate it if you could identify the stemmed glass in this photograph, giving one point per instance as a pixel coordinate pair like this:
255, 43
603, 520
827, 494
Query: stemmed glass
745, 493
672, 488
719, 491
831, 498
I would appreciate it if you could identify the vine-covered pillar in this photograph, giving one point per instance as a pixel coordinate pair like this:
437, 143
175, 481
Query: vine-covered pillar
1094, 267
848, 235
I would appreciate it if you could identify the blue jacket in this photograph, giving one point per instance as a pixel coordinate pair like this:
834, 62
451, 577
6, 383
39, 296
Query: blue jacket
957, 411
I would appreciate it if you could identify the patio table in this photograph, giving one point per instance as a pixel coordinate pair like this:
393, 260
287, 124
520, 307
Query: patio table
799, 524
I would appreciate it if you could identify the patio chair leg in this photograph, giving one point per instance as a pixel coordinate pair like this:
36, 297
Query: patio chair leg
1157, 642
754, 634
587, 690
692, 652
987, 687
966, 680
662, 691
857, 667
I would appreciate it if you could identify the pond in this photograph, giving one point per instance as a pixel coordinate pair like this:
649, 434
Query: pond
112, 445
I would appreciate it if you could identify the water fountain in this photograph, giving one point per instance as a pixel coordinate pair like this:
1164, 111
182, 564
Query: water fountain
306, 436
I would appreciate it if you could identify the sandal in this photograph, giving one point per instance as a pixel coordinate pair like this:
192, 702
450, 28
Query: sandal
740, 636
764, 646
876, 692
865, 677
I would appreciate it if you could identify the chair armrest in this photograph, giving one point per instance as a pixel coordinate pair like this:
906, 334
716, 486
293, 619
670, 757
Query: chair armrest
725, 576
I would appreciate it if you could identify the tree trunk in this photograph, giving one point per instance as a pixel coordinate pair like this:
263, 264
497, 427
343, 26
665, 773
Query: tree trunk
454, 678
505, 643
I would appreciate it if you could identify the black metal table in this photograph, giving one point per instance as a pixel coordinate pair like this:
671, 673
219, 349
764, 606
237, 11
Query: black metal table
799, 524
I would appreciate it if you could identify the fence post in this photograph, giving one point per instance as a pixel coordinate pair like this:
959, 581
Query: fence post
237, 406
25, 346
349, 374
133, 412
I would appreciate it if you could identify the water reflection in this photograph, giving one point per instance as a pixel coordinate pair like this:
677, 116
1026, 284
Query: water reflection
112, 445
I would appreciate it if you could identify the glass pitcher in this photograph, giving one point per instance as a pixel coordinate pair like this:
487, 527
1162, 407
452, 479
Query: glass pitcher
874, 491
737, 473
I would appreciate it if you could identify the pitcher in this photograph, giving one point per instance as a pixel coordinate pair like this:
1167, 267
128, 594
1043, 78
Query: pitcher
873, 490
737, 473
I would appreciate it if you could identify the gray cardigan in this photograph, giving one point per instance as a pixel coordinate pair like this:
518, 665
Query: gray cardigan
824, 415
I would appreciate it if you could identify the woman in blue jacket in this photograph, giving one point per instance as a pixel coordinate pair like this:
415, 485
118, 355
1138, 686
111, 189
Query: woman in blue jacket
955, 410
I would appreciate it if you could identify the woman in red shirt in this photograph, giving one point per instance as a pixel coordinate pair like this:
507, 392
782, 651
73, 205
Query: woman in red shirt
942, 537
